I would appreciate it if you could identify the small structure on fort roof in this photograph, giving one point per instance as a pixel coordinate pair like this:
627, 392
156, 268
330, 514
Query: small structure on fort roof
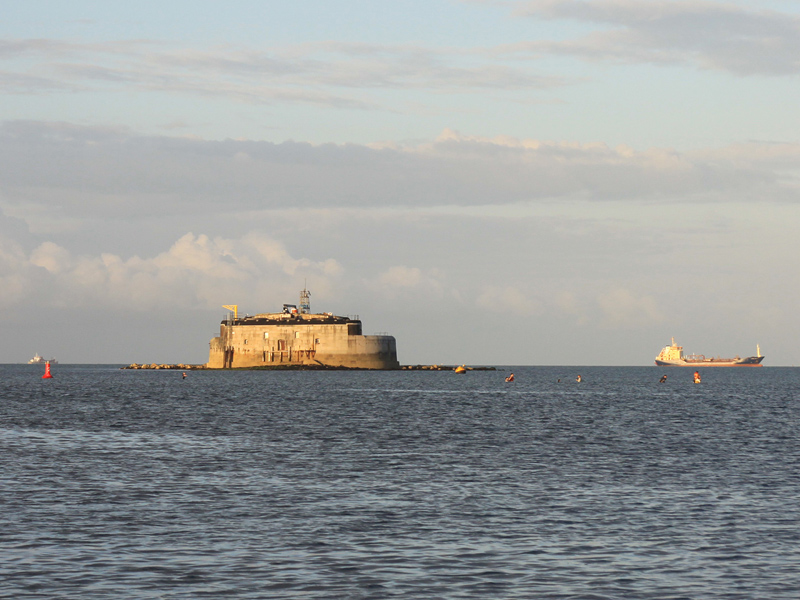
298, 337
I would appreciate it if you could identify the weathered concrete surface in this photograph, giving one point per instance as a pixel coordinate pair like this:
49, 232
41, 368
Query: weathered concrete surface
298, 341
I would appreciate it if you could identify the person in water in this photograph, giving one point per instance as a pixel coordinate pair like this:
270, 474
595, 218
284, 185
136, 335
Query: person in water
697, 376
663, 378
579, 379
510, 378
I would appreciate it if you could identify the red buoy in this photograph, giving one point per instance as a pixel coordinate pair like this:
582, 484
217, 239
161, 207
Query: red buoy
47, 374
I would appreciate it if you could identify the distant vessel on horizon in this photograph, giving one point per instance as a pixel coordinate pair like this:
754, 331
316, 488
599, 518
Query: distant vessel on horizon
38, 360
672, 356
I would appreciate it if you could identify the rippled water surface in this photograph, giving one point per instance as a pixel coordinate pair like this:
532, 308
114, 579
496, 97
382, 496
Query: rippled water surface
126, 484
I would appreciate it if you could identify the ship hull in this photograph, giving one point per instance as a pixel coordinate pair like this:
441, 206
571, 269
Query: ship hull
750, 361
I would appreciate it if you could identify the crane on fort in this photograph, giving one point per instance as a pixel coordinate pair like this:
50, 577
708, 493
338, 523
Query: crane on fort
234, 308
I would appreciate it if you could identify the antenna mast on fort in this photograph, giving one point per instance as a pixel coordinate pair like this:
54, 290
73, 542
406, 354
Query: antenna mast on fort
305, 301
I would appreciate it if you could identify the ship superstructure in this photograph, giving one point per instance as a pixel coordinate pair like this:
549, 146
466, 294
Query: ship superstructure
672, 356
40, 360
296, 337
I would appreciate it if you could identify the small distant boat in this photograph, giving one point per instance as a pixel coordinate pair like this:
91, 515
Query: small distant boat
461, 369
38, 360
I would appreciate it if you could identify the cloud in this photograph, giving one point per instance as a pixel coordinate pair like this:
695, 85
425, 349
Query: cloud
400, 276
319, 74
622, 309
352, 65
196, 272
23, 83
49, 48
567, 303
401, 281
51, 257
507, 299
15, 280
355, 75
710, 35
83, 172
32, 47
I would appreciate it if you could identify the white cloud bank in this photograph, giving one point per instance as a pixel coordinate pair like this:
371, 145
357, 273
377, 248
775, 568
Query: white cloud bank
98, 172
196, 272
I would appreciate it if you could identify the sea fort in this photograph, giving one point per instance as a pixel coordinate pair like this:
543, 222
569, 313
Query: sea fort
296, 337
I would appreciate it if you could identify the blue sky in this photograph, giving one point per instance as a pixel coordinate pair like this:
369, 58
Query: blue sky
499, 182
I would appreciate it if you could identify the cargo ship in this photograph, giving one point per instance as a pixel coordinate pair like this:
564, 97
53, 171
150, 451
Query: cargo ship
672, 356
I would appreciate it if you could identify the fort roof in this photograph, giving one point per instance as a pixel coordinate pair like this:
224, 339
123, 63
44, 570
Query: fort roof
290, 318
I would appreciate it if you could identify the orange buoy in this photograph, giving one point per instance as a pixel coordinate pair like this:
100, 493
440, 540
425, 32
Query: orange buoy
47, 374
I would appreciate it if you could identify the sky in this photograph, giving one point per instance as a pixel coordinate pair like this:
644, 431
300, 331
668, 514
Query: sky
496, 182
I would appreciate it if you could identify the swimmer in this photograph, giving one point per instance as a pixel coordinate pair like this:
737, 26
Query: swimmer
663, 378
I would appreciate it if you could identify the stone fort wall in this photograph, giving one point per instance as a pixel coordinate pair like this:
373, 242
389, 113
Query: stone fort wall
297, 343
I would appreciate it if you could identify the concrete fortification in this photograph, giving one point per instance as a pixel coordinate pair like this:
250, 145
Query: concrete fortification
296, 337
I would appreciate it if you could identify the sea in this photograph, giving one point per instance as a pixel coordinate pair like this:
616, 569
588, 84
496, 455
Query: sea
119, 484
